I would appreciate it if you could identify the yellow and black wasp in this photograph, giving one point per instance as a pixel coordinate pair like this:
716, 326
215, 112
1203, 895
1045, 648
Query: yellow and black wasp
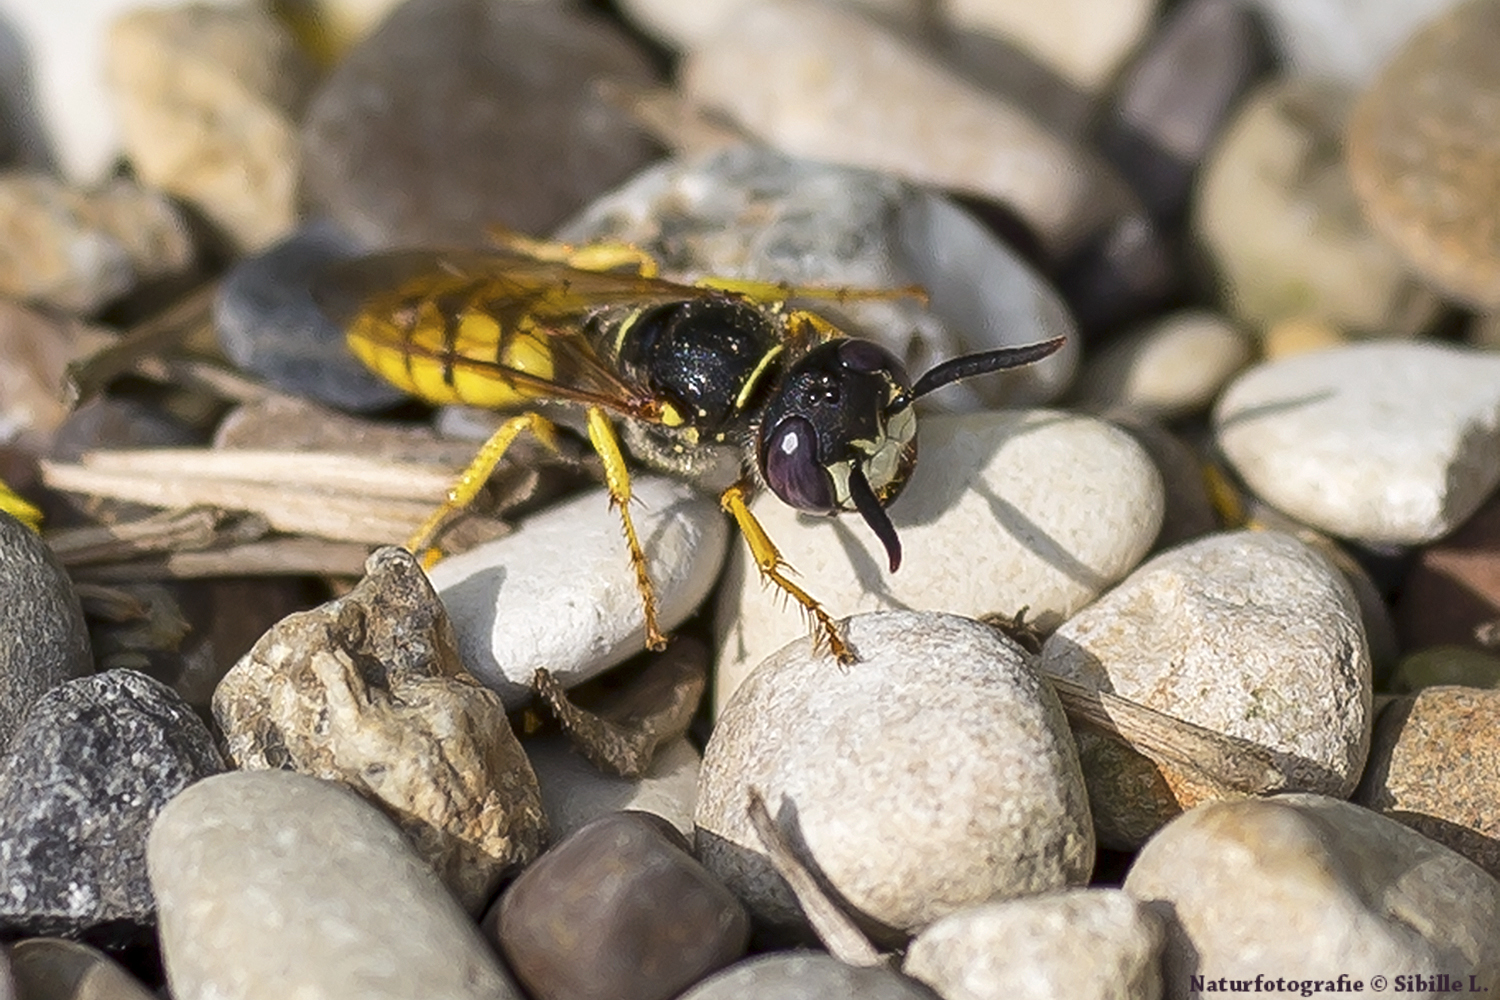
689, 372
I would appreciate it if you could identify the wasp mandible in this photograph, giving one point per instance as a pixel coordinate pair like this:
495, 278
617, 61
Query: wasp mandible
825, 421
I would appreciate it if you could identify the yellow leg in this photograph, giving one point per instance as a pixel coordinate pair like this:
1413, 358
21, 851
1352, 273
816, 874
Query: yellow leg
607, 256
467, 486
617, 477
768, 558
22, 511
780, 291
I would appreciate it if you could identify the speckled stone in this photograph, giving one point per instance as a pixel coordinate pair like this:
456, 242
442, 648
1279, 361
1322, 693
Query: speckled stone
369, 690
1252, 634
1173, 367
799, 975
87, 774
458, 115
1026, 949
1434, 762
1389, 443
823, 82
1424, 153
575, 792
936, 773
1307, 887
560, 593
1280, 220
1033, 509
46, 641
751, 212
273, 884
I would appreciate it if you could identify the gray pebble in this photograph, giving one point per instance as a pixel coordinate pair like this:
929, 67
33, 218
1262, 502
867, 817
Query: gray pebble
1347, 40
457, 115
560, 593
1027, 949
43, 638
273, 884
270, 325
1308, 887
54, 969
1172, 367
935, 773
751, 212
1388, 443
794, 975
1034, 509
89, 770
575, 792
1252, 634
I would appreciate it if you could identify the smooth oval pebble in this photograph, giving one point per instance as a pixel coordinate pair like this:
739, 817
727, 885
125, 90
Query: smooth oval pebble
269, 323
1173, 367
44, 640
1026, 949
1033, 509
455, 116
273, 884
55, 969
934, 773
1434, 766
1348, 40
575, 792
1252, 634
1307, 887
1394, 443
560, 593
751, 212
94, 763
1438, 665
796, 975
820, 81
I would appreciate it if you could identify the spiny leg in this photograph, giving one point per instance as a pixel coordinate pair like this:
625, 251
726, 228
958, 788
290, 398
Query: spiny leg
472, 480
617, 478
768, 558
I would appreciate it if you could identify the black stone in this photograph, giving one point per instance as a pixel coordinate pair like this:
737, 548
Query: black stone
89, 770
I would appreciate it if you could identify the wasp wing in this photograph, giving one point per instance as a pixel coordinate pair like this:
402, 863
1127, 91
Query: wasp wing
471, 325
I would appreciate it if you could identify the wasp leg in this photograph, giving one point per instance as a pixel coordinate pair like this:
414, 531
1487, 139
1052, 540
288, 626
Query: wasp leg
617, 478
780, 291
467, 486
607, 256
12, 504
768, 558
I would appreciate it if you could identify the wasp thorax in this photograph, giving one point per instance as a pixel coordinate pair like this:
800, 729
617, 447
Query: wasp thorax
839, 434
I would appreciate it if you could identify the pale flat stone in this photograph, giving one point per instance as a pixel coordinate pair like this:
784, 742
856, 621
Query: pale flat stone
1173, 367
560, 593
1006, 510
1348, 40
936, 773
575, 792
1386, 443
1084, 41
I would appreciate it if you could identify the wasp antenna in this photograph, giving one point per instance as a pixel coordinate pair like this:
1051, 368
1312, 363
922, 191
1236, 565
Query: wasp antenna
875, 516
983, 363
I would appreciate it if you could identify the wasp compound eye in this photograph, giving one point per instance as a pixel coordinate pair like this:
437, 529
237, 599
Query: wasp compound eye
790, 464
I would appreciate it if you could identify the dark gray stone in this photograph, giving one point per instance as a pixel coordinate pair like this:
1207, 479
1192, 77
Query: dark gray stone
644, 919
269, 323
458, 115
43, 639
807, 976
88, 771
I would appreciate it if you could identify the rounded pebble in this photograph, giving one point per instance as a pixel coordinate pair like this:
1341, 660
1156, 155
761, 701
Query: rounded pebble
1277, 214
750, 212
935, 773
575, 792
1252, 634
1434, 763
644, 919
1299, 335
1026, 949
1006, 510
273, 884
796, 975
1347, 40
560, 594
1307, 887
46, 638
1172, 368
1394, 443
54, 969
208, 99
269, 324
1437, 665
823, 82
1083, 41
458, 115
88, 772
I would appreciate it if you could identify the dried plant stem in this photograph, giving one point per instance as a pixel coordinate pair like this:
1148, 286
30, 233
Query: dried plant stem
274, 557
171, 531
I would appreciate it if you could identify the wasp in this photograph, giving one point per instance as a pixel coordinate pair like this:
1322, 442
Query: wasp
691, 374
